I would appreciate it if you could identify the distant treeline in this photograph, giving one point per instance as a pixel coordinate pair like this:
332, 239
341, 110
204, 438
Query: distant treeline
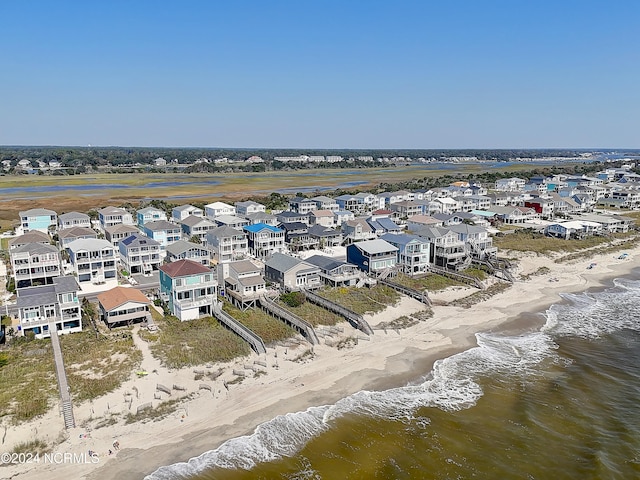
74, 157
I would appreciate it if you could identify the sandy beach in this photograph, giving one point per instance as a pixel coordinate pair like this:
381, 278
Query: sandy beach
294, 379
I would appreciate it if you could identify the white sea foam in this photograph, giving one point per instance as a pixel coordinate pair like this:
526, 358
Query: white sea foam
451, 385
282, 436
596, 314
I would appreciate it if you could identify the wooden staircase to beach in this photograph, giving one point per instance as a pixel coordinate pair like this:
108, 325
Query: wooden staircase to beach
408, 291
292, 319
354, 318
63, 385
248, 335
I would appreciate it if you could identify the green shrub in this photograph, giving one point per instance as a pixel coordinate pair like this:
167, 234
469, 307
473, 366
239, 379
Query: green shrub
293, 299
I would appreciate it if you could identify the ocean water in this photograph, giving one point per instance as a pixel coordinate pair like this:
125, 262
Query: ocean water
559, 403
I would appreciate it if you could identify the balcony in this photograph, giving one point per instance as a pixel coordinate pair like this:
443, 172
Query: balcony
143, 315
38, 321
190, 303
198, 286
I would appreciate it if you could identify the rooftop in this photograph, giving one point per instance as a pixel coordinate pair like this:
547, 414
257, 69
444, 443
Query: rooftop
375, 246
184, 268
118, 296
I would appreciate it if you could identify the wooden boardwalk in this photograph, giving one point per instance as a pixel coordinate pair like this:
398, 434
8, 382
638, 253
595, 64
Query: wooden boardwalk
292, 319
409, 292
354, 318
239, 329
63, 385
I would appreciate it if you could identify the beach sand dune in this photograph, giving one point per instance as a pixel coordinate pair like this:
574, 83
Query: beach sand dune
206, 417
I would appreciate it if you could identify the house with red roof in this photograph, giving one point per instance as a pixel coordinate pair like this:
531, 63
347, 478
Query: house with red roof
189, 288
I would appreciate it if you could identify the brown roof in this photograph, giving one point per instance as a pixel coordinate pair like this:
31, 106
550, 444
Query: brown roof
119, 296
183, 268
321, 213
33, 236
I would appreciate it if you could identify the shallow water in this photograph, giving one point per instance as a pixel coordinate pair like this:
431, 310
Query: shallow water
561, 403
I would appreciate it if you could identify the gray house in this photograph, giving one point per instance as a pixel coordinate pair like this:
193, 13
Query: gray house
50, 306
73, 219
413, 252
35, 264
336, 273
291, 273
227, 244
70, 234
114, 234
197, 227
184, 250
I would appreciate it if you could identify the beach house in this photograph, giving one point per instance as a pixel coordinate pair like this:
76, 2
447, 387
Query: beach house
163, 232
50, 306
149, 214
123, 306
477, 240
232, 221
296, 236
575, 229
264, 240
94, 262
189, 288
262, 217
413, 252
357, 230
227, 244
302, 205
376, 257
178, 214
110, 216
70, 234
247, 208
114, 234
40, 219
73, 219
446, 250
325, 218
336, 273
140, 254
291, 273
325, 237
326, 203
197, 227
35, 264
184, 250
215, 209
242, 283
30, 237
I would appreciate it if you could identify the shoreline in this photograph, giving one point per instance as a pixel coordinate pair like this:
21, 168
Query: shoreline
386, 361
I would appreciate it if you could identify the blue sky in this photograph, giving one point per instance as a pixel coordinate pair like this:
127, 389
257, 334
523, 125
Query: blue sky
321, 74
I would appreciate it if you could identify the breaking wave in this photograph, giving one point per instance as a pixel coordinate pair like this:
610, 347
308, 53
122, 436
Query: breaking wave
451, 385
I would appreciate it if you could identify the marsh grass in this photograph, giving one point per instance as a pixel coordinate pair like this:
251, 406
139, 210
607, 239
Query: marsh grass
315, 314
97, 365
431, 282
28, 384
362, 300
195, 342
269, 328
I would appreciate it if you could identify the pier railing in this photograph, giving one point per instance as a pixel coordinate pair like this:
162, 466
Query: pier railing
239, 329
